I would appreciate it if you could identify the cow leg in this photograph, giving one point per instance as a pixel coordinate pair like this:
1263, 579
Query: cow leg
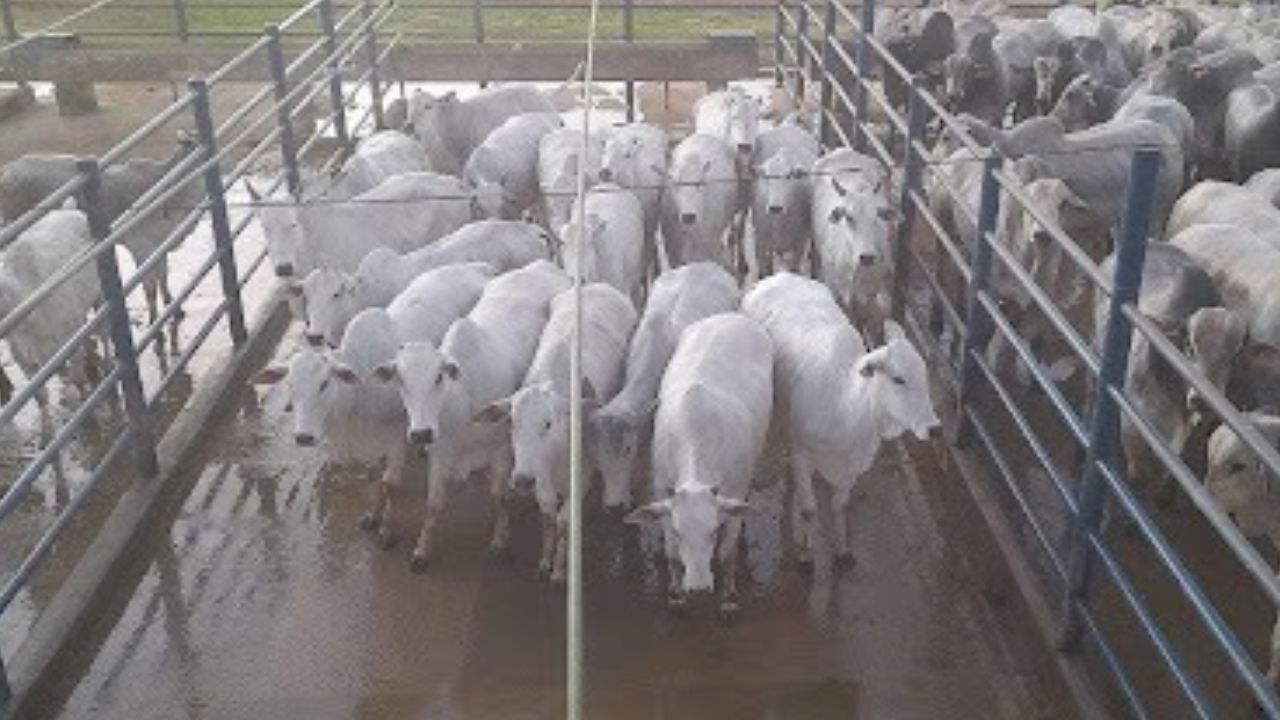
728, 557
162, 271
382, 516
676, 597
840, 522
150, 288
559, 572
545, 565
437, 490
6, 387
500, 543
804, 506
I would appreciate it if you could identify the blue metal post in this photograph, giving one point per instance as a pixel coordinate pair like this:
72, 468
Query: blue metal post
284, 112
180, 19
126, 353
629, 34
976, 322
862, 57
825, 132
802, 53
6, 15
779, 57
913, 176
1104, 428
218, 221
339, 107
371, 52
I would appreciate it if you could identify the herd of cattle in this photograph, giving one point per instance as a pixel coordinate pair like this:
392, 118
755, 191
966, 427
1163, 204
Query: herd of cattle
433, 271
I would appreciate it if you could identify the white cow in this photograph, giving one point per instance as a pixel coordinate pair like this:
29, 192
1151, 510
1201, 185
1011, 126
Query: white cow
780, 195
679, 297
851, 221
700, 201
482, 358
36, 255
559, 159
713, 415
635, 157
1211, 202
376, 158
1245, 489
450, 128
336, 399
731, 115
612, 248
503, 170
406, 212
538, 413
841, 400
332, 297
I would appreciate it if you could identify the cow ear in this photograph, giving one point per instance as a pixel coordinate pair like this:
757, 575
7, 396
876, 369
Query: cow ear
732, 508
295, 289
840, 189
386, 372
254, 195
650, 513
345, 374
451, 369
270, 376
495, 412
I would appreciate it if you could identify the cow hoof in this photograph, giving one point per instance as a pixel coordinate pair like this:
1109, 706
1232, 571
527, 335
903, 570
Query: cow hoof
419, 563
369, 522
845, 561
386, 540
804, 563
501, 554
729, 610
676, 602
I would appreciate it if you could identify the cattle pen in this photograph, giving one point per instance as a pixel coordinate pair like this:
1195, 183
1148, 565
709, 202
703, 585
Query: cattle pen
168, 553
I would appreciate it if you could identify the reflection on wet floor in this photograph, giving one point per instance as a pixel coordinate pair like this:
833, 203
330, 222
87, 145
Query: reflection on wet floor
259, 597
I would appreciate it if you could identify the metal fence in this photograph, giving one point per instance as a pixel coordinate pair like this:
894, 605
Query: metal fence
341, 64
1053, 448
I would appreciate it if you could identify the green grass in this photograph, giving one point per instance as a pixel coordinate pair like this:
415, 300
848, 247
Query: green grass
208, 19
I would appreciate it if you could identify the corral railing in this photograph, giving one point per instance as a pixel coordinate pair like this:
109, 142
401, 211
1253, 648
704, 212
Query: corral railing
1178, 629
229, 134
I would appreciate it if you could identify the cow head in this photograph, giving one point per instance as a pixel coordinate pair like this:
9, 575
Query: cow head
691, 520
692, 182
487, 180
539, 419
781, 182
860, 218
896, 382
1077, 106
613, 439
1238, 479
329, 304
1046, 68
424, 376
314, 380
744, 122
282, 227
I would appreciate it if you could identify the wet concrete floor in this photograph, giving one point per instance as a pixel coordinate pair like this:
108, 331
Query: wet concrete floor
257, 596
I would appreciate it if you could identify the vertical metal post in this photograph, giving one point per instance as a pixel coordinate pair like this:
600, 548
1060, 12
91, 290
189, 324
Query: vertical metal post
1104, 427
284, 111
371, 52
10, 26
477, 19
126, 353
180, 19
336, 100
779, 57
802, 50
218, 221
825, 132
917, 117
629, 34
862, 57
976, 322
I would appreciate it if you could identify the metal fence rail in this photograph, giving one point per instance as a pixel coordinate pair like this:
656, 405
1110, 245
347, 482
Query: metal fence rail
1063, 475
198, 183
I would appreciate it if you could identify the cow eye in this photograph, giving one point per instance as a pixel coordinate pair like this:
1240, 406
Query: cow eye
324, 386
439, 378
837, 214
336, 294
546, 426
899, 380
1236, 468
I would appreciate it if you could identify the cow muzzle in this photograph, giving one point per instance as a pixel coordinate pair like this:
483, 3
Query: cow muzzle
774, 209
315, 339
688, 218
422, 436
305, 439
866, 259
284, 270
523, 483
